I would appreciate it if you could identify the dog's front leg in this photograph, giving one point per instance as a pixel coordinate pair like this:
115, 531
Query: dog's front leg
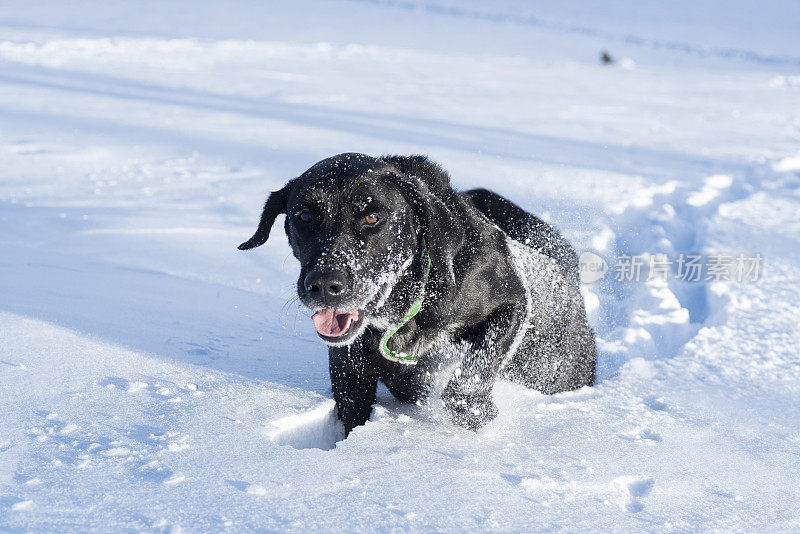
468, 395
353, 382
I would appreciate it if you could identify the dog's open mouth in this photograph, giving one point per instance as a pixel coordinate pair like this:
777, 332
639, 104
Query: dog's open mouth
341, 327
336, 324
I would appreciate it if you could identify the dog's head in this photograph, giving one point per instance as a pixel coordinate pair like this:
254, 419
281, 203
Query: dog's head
362, 231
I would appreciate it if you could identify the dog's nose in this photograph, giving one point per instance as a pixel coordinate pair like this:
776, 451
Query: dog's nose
322, 285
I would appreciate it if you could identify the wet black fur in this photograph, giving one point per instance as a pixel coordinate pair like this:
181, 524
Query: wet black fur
475, 306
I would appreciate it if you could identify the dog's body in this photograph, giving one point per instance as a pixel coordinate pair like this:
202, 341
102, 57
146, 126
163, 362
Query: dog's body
501, 298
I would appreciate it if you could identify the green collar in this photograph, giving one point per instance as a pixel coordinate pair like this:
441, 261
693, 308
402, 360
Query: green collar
402, 357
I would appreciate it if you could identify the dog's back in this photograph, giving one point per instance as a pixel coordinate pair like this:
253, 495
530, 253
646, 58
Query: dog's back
528, 229
557, 352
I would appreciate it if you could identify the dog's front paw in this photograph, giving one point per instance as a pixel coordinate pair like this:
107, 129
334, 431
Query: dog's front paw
469, 411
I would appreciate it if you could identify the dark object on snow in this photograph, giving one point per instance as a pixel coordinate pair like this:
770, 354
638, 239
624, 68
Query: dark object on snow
606, 58
501, 296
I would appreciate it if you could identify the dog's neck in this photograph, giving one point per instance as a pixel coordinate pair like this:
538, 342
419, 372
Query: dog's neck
416, 306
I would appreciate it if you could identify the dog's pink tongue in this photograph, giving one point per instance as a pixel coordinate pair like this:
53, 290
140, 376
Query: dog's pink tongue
333, 323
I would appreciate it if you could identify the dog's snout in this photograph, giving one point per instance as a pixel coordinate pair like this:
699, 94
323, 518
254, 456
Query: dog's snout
325, 285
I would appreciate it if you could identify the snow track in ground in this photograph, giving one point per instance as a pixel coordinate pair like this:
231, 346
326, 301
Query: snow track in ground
658, 316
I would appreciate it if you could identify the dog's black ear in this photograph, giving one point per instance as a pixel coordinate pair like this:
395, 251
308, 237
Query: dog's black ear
274, 206
441, 232
444, 237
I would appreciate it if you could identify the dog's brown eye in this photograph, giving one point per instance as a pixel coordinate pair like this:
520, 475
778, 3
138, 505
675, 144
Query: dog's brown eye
371, 219
304, 217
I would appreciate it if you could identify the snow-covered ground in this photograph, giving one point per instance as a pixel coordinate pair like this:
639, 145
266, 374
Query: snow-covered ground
152, 377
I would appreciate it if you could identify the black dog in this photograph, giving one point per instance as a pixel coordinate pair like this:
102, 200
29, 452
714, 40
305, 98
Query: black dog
408, 278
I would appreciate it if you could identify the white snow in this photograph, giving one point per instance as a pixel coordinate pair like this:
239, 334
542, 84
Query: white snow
791, 163
154, 378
